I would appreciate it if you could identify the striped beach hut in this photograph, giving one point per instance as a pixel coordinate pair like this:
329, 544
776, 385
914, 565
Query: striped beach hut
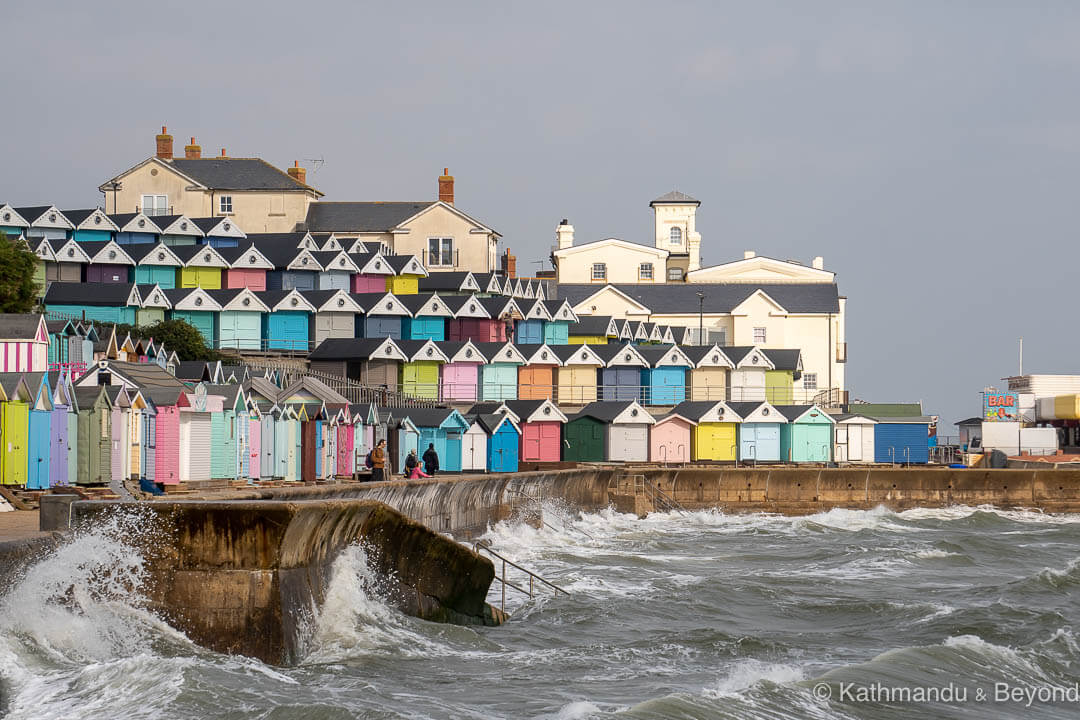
24, 342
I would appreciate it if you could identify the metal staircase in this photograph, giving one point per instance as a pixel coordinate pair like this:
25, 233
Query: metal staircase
484, 547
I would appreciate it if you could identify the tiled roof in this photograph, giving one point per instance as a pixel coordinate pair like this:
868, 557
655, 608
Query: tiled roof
670, 298
237, 174
361, 216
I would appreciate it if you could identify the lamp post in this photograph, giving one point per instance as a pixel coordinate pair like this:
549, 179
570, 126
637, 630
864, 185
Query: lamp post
701, 318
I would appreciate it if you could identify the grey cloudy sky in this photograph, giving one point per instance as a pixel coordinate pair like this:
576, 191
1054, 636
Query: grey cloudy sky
929, 150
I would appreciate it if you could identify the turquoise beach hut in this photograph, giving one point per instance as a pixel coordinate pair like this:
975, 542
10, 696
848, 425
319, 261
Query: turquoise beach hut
808, 434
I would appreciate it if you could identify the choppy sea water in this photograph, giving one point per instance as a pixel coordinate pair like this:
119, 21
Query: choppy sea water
699, 616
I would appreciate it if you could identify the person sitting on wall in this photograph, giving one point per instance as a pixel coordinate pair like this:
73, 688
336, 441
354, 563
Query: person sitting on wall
417, 473
431, 460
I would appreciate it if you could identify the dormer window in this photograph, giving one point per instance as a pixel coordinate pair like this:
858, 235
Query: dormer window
675, 236
225, 204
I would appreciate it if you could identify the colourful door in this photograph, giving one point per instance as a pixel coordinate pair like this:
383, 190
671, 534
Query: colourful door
39, 455
503, 450
499, 382
536, 382
577, 385
58, 446
621, 383
459, 382
584, 440
529, 332
254, 449
714, 441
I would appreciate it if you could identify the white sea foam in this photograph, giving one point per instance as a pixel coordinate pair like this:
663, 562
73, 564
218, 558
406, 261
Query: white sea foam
748, 673
961, 512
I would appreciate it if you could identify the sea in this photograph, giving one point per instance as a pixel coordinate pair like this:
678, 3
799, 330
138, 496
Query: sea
963, 612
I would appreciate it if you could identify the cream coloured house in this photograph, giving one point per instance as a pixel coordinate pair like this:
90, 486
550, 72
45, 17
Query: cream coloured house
257, 196
780, 314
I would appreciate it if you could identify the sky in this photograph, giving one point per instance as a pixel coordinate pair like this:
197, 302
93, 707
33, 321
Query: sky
930, 151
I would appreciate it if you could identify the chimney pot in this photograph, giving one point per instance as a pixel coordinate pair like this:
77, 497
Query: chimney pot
818, 263
446, 187
164, 144
223, 153
298, 173
749, 254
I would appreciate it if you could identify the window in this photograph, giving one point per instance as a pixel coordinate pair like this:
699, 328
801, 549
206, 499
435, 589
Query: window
676, 236
809, 381
599, 271
440, 252
759, 336
155, 204
225, 204
674, 274
718, 337
645, 271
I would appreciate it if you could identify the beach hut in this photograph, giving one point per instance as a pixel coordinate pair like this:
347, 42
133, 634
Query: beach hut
490, 283
91, 224
121, 432
383, 316
220, 232
253, 462
12, 223
196, 434
70, 264
748, 375
165, 433
228, 430
239, 322
59, 424
540, 423
902, 440
372, 275
449, 283
460, 379
530, 330
202, 267
370, 361
109, 263
39, 432
420, 372
577, 374
335, 314
45, 222
197, 308
708, 372
365, 418
807, 436
592, 330
155, 265
295, 267
504, 442
557, 330
499, 377
153, 305
100, 302
759, 431
664, 380
345, 443
670, 438
470, 320
24, 342
338, 269
247, 267
407, 273
608, 431
715, 432
780, 381
144, 430
95, 435
134, 229
443, 428
854, 438
428, 315
42, 249
15, 428
536, 378
268, 442
293, 444
474, 444
286, 326
179, 230
405, 437
312, 419
620, 379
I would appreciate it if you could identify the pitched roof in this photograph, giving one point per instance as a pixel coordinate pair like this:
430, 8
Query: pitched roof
675, 197
783, 359
77, 293
793, 412
19, 326
605, 411
590, 325
361, 216
427, 417
346, 348
662, 298
146, 375
220, 173
445, 281
279, 248
491, 421
87, 396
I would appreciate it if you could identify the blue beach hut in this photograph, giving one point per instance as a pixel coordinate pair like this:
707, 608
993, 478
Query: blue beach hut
759, 432
443, 428
286, 326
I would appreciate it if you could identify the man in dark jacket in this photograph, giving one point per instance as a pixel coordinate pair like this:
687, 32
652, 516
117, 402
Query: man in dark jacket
431, 460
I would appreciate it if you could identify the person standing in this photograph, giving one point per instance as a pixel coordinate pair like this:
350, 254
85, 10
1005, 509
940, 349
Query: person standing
378, 462
431, 460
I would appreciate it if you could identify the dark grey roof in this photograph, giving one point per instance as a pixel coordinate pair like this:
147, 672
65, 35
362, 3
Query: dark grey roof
237, 174
138, 251
453, 347
17, 326
272, 297
653, 353
783, 359
346, 348
590, 325
693, 409
77, 293
491, 421
188, 252
792, 412
401, 262
485, 408
164, 396
444, 281
675, 197
30, 214
605, 411
279, 248
361, 216
77, 216
495, 305
719, 298
146, 375
742, 409
224, 296
232, 254
87, 396
325, 257
317, 297
970, 421
367, 301
197, 370
426, 417
123, 219
524, 408
454, 303
415, 302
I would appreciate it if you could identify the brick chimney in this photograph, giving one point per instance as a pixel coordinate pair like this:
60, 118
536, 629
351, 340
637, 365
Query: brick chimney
509, 264
446, 187
192, 151
223, 153
164, 144
298, 173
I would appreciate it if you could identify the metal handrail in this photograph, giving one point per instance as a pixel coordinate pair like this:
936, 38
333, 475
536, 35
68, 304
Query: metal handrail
672, 503
484, 546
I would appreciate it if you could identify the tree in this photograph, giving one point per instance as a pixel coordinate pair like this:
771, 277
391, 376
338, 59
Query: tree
176, 335
18, 291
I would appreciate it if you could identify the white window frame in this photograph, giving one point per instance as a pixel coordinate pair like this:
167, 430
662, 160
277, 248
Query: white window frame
154, 207
760, 332
809, 381
225, 205
599, 271
675, 235
675, 274
717, 337
645, 271
441, 244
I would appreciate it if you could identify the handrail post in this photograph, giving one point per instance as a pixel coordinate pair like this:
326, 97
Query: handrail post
504, 585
